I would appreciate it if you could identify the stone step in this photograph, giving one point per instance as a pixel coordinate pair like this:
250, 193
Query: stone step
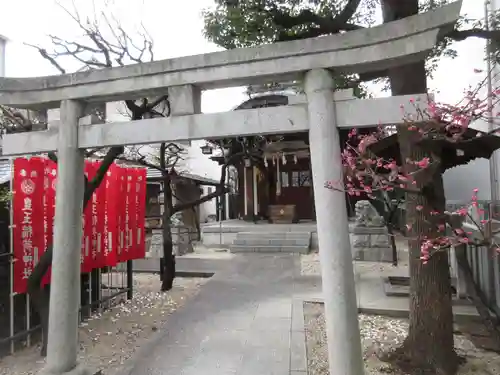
400, 287
257, 241
273, 235
269, 249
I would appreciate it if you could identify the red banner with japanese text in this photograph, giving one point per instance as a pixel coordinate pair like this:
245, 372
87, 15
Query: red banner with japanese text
97, 220
140, 208
111, 212
129, 215
121, 214
49, 185
28, 218
114, 219
86, 262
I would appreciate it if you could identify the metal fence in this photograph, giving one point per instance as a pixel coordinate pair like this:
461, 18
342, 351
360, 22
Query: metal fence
20, 326
485, 267
483, 261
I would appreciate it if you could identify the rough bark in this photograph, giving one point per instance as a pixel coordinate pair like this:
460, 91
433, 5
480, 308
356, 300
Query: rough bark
168, 261
429, 344
197, 223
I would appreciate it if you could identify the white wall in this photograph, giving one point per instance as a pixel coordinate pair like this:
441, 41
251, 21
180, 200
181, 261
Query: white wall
202, 165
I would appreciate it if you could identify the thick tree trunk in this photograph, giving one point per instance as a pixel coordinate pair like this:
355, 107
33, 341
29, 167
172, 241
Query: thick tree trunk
429, 344
430, 338
168, 261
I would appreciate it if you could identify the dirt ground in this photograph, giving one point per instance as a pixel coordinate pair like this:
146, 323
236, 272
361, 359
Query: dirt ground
108, 339
379, 335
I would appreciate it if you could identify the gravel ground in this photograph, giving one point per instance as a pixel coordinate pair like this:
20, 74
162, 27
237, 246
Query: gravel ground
380, 334
310, 266
107, 340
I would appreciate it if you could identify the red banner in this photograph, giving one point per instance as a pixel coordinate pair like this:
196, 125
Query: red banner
28, 224
121, 214
140, 222
111, 212
113, 221
128, 215
49, 185
95, 246
99, 214
86, 251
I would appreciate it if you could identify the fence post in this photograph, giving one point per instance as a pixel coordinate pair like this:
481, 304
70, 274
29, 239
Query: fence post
130, 279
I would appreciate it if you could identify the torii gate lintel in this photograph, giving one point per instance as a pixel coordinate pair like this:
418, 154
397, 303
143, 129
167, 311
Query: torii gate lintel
354, 113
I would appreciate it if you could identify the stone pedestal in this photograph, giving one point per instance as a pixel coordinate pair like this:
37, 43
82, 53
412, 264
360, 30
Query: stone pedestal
371, 244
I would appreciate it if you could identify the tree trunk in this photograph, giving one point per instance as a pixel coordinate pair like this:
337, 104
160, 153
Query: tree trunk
429, 344
197, 223
168, 261
168, 270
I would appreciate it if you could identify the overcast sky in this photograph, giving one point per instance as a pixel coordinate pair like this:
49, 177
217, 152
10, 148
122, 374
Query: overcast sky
176, 27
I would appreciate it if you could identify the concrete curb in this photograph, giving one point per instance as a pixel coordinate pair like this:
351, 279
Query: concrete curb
397, 313
298, 352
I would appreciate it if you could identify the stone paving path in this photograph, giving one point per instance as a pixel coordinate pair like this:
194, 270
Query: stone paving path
244, 322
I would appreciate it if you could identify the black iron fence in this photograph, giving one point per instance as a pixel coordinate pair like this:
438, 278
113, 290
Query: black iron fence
483, 260
101, 289
485, 266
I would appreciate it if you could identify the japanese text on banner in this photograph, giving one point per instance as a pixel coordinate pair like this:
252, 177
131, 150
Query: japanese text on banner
49, 195
28, 218
140, 194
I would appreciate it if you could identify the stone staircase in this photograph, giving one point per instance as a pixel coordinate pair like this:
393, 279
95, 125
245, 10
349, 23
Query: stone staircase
272, 242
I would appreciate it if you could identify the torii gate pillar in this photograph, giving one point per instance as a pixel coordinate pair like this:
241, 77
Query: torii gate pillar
62, 348
341, 313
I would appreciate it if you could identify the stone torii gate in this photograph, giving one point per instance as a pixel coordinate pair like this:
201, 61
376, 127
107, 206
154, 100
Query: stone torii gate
310, 60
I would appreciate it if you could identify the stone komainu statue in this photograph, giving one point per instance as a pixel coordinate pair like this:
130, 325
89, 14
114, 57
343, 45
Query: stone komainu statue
367, 215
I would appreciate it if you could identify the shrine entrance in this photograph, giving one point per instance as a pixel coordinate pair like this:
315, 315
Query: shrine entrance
296, 188
320, 115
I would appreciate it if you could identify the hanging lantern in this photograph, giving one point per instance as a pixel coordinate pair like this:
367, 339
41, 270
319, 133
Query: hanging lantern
283, 159
247, 162
274, 161
265, 161
295, 159
207, 149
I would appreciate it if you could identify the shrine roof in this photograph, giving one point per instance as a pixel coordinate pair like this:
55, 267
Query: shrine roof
472, 145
